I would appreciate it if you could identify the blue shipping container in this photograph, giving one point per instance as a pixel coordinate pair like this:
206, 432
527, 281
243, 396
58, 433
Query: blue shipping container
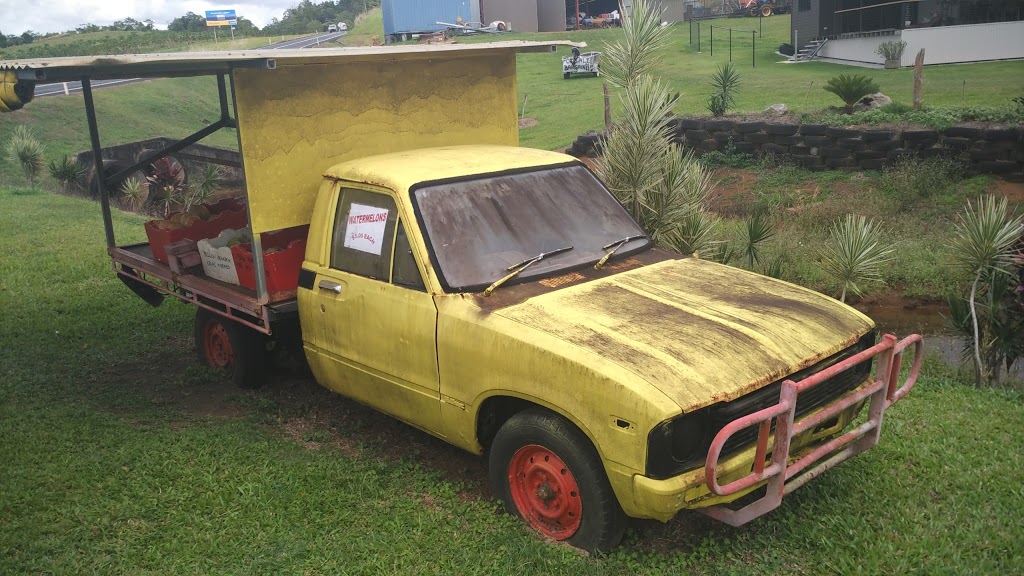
417, 16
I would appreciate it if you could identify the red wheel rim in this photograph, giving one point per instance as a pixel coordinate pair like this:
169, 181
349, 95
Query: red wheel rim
545, 492
217, 346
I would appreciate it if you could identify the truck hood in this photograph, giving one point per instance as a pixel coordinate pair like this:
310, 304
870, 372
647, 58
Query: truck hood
698, 331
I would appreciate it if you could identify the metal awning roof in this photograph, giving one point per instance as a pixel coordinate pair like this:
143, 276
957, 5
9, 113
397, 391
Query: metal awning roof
204, 63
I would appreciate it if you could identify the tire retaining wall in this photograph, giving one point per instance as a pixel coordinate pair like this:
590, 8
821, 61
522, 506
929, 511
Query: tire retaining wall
820, 147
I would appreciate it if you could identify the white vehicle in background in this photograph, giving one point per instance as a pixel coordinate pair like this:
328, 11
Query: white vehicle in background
331, 28
342, 27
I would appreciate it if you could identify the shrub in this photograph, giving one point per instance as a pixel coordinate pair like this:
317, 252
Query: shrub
24, 150
855, 255
134, 193
728, 157
724, 84
987, 245
66, 172
851, 88
911, 180
891, 50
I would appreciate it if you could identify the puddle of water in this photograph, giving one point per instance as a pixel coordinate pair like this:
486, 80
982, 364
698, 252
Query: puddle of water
927, 320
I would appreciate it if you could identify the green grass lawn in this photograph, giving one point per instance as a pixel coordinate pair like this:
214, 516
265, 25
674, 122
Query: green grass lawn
121, 456
566, 108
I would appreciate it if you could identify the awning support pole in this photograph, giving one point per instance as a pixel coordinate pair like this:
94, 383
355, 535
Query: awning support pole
97, 158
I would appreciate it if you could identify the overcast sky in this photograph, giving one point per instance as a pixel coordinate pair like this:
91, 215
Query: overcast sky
42, 16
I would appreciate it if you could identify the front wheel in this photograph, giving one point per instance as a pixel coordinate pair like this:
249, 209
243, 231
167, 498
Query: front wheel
547, 472
228, 347
766, 10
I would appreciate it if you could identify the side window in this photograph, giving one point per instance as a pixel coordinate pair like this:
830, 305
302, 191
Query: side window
405, 273
804, 5
364, 232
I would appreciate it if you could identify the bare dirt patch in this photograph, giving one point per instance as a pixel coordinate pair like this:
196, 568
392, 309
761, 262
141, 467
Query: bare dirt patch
527, 122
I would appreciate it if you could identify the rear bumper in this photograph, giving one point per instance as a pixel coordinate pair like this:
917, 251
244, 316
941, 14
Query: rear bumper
791, 455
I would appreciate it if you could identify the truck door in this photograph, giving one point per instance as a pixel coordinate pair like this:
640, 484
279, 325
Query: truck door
376, 323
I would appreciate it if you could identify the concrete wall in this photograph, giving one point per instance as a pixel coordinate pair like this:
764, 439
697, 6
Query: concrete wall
522, 14
821, 147
551, 15
942, 44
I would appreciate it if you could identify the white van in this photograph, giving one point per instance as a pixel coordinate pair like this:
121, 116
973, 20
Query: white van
331, 28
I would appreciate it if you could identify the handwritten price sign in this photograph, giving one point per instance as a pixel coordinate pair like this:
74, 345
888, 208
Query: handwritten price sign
365, 228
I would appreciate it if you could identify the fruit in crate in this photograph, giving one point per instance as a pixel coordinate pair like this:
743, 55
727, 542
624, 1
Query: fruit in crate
238, 240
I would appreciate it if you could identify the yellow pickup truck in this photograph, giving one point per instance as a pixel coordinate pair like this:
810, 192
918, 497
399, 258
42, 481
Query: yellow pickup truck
501, 299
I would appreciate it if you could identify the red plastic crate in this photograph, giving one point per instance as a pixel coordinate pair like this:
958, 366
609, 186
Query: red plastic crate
228, 213
283, 252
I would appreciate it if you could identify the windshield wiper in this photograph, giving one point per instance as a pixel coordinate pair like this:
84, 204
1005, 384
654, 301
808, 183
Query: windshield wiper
615, 246
519, 267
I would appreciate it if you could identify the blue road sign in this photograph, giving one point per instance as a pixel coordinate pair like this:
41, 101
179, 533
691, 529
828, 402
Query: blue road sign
221, 18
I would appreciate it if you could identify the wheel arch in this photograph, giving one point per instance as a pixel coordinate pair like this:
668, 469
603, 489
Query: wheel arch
496, 408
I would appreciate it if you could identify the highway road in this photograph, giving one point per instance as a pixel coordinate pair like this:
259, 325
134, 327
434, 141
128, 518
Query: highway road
62, 88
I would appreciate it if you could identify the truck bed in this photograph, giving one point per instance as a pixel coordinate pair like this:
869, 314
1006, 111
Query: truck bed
136, 265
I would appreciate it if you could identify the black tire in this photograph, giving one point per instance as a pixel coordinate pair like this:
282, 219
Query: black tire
766, 10
566, 75
110, 167
229, 347
538, 433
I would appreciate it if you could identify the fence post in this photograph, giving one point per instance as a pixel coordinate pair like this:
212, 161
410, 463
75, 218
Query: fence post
712, 40
753, 50
698, 36
730, 44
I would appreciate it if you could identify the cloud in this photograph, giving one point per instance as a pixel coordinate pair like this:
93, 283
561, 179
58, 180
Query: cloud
60, 15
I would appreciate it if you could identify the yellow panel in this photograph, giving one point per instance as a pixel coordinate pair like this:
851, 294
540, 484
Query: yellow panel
297, 121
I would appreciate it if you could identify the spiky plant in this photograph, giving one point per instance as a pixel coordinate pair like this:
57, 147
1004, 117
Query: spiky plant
134, 192
201, 188
757, 230
66, 172
851, 88
984, 246
665, 190
637, 55
24, 150
855, 254
724, 84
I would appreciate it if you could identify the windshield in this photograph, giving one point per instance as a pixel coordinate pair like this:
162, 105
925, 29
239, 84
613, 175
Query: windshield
478, 228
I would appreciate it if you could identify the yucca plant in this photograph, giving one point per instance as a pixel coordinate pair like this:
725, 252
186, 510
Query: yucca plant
724, 84
665, 190
855, 254
134, 193
66, 172
851, 88
756, 231
201, 188
24, 150
985, 244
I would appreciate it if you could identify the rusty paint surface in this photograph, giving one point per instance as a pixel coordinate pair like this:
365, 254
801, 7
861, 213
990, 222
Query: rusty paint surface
698, 331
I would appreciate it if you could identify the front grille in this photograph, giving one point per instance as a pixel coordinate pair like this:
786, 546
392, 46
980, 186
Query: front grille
807, 400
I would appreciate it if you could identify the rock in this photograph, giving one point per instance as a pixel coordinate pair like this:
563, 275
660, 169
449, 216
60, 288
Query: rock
777, 109
872, 101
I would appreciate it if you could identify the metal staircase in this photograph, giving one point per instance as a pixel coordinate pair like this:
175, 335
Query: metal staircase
809, 51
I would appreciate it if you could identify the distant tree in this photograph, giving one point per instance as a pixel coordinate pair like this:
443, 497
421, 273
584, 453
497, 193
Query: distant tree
87, 27
27, 37
190, 22
3, 40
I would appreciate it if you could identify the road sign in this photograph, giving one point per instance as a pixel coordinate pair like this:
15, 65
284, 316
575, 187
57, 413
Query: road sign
221, 18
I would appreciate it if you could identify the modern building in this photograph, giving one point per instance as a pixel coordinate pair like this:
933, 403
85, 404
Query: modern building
950, 31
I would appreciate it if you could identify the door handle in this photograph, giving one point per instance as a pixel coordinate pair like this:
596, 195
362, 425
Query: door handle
330, 286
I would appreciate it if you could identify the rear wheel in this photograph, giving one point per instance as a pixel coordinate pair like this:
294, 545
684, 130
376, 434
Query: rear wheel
566, 75
546, 471
766, 10
230, 348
